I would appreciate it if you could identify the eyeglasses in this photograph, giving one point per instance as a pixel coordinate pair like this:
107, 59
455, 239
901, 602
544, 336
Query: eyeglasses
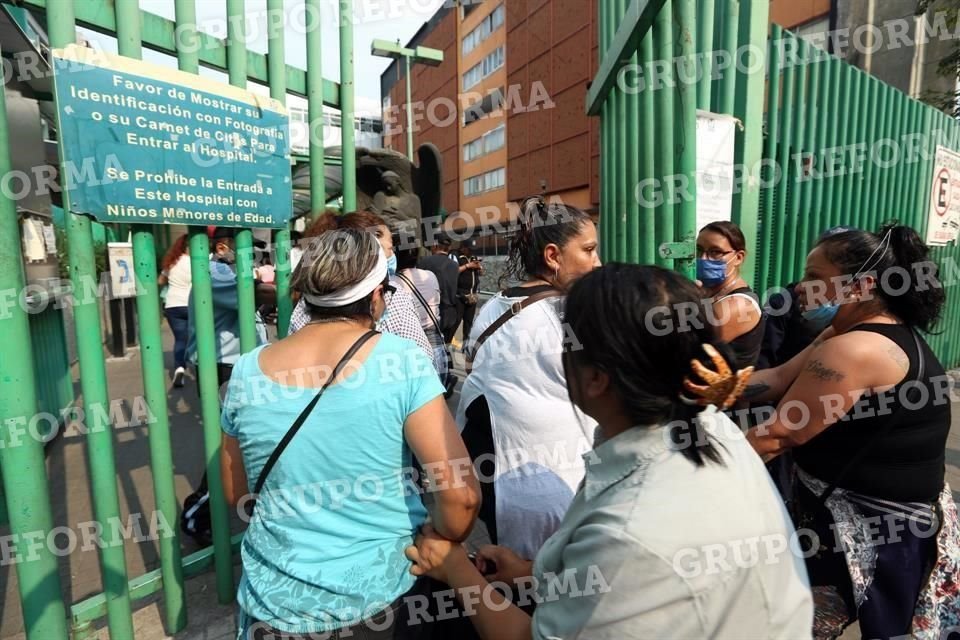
714, 254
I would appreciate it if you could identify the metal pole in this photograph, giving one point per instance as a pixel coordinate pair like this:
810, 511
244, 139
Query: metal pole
770, 156
686, 132
648, 243
409, 81
792, 221
634, 152
346, 106
705, 19
61, 25
154, 382
237, 68
663, 42
748, 107
728, 83
187, 59
811, 114
819, 185
22, 461
786, 138
318, 195
277, 74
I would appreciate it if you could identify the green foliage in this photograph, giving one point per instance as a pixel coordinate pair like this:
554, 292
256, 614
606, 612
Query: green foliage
949, 65
63, 254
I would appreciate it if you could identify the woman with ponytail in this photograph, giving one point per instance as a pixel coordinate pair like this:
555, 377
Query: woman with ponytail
677, 530
865, 411
514, 410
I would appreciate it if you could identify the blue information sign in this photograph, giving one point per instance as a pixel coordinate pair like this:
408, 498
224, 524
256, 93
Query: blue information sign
146, 144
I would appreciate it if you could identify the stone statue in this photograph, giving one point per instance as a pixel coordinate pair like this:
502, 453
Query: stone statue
388, 184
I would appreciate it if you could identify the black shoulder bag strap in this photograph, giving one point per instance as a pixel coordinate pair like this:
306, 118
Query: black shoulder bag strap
423, 302
292, 431
895, 420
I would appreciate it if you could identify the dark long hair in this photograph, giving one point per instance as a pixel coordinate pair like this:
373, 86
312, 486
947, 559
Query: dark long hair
917, 300
618, 314
730, 231
540, 224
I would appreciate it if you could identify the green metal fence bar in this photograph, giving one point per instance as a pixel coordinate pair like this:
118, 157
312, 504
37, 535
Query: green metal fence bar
871, 173
237, 68
910, 128
843, 142
619, 101
603, 29
899, 181
705, 27
187, 60
647, 240
278, 91
851, 176
795, 170
748, 107
347, 106
785, 143
887, 209
728, 83
856, 196
152, 367
93, 381
318, 196
632, 172
811, 112
663, 42
765, 237
819, 184
22, 463
686, 131
831, 142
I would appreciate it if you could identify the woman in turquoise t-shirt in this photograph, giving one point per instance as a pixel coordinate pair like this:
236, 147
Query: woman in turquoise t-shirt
324, 550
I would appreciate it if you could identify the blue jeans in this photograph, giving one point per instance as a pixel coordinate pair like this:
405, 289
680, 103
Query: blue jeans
177, 318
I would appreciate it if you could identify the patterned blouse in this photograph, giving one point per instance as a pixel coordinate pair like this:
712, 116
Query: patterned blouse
400, 319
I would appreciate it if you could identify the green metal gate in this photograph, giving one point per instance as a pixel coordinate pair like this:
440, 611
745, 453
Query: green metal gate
795, 105
24, 478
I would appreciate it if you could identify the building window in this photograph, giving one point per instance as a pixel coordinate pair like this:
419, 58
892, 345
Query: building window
483, 30
490, 63
487, 143
484, 182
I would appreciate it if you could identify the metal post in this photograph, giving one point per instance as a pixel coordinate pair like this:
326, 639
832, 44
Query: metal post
799, 127
632, 172
819, 187
748, 107
188, 60
786, 138
617, 100
705, 19
686, 131
318, 195
663, 132
648, 244
765, 246
277, 74
154, 382
408, 82
837, 116
22, 461
61, 25
811, 114
728, 83
346, 106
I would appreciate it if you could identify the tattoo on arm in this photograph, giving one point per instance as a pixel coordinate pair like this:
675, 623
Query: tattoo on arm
824, 373
754, 390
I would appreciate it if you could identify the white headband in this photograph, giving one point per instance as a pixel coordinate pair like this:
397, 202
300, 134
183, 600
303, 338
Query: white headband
354, 292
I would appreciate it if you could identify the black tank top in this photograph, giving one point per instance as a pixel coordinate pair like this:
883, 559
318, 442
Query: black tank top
907, 462
746, 347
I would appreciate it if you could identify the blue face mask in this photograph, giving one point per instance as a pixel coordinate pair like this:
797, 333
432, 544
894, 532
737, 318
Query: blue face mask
819, 318
711, 272
392, 264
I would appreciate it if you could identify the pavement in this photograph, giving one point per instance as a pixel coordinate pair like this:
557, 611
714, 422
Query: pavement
67, 467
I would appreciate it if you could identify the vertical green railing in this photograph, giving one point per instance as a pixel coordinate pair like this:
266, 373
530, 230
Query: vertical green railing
61, 24
22, 464
154, 379
277, 74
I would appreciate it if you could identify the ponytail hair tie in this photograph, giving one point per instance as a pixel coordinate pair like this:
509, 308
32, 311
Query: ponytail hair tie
723, 385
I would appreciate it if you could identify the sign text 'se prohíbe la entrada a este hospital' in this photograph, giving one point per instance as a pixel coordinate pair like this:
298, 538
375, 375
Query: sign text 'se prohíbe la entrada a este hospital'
146, 144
